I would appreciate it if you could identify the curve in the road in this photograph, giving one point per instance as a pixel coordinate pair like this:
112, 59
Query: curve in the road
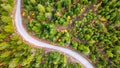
27, 37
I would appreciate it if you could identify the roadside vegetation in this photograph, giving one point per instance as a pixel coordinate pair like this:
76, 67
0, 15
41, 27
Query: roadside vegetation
90, 27
14, 53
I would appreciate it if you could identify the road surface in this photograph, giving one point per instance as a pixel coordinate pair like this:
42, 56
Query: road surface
21, 30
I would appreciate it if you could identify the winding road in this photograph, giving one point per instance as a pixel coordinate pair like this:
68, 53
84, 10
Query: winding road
21, 30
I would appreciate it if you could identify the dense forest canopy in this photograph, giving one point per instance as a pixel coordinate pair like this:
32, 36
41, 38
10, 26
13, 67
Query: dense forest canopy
91, 27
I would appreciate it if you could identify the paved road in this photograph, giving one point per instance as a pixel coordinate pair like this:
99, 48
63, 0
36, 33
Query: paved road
28, 38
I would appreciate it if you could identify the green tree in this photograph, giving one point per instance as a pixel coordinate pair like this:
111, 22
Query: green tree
33, 1
14, 62
9, 29
92, 57
59, 4
109, 54
41, 8
77, 65
28, 60
3, 45
67, 3
74, 45
5, 54
6, 7
6, 19
82, 48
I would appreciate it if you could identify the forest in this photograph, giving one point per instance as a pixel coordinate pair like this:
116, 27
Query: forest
15, 53
90, 27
